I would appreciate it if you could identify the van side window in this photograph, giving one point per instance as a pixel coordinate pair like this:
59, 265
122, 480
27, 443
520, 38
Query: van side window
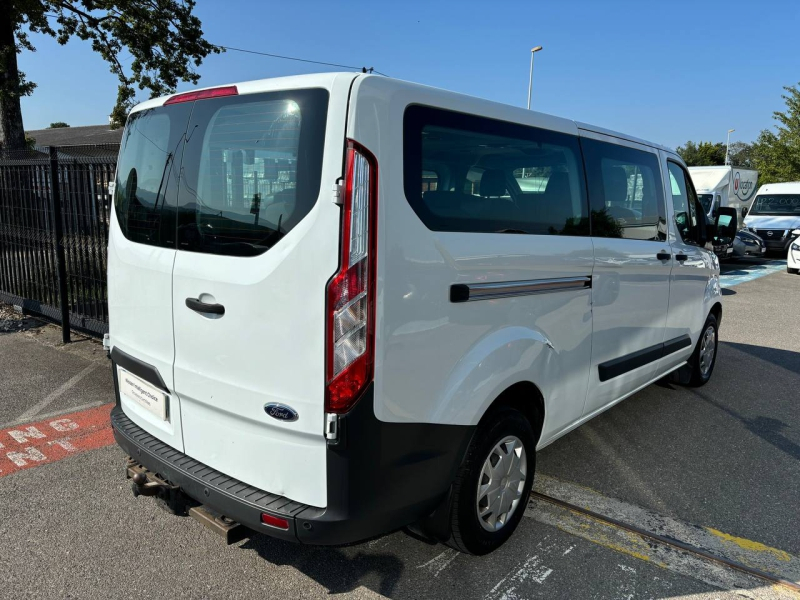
625, 191
684, 202
492, 176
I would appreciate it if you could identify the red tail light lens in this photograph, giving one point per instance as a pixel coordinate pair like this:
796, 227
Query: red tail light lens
228, 90
274, 521
351, 292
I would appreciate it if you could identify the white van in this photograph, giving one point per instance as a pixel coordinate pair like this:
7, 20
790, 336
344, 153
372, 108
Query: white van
775, 215
342, 304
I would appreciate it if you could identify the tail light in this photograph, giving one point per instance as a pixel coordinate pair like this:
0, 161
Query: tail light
351, 292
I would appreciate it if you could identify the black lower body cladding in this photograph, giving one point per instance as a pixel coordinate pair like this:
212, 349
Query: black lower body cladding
381, 476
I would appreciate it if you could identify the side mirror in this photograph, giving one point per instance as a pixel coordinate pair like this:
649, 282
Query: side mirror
796, 233
727, 223
744, 212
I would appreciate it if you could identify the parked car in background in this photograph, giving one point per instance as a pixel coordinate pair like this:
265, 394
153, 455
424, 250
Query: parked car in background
747, 243
347, 304
775, 214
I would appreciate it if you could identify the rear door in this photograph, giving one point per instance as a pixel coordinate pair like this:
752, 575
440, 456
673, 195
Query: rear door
141, 255
630, 283
256, 246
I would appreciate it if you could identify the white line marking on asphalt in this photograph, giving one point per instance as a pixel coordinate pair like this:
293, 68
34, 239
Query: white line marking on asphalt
440, 562
627, 569
34, 410
531, 569
56, 413
568, 550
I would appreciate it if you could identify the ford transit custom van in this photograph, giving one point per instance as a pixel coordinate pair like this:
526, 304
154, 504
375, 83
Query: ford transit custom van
342, 304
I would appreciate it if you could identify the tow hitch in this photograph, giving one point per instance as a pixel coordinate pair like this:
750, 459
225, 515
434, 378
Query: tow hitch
147, 483
173, 500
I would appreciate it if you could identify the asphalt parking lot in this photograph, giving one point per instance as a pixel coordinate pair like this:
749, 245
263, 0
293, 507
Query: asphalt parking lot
716, 467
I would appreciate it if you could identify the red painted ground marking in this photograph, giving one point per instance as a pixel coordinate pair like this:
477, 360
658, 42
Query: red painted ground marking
34, 444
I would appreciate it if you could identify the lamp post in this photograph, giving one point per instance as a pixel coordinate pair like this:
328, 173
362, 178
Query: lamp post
530, 77
728, 146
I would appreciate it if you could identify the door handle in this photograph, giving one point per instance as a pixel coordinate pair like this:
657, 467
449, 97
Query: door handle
681, 257
663, 256
202, 307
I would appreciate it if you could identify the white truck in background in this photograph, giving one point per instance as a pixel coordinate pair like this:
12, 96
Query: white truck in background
726, 194
727, 186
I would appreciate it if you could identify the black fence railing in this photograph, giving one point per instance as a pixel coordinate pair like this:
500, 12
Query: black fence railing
53, 238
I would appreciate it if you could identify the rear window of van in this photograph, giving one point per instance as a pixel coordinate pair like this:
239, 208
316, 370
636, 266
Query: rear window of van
227, 176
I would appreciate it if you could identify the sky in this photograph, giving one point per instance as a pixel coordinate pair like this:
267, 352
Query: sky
666, 71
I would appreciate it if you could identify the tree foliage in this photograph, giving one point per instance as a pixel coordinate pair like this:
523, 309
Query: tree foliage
164, 39
702, 154
776, 154
58, 125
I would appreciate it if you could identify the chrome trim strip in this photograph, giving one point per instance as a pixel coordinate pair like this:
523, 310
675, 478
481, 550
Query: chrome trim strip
510, 289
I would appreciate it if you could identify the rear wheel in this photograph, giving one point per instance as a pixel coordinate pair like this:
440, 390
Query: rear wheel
792, 271
491, 489
705, 353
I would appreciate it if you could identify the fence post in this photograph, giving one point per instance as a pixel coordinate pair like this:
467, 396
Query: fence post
61, 261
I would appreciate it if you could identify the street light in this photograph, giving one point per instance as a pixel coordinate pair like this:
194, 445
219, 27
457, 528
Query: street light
530, 77
728, 146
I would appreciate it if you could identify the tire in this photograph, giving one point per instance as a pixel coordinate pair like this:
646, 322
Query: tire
500, 430
792, 271
701, 364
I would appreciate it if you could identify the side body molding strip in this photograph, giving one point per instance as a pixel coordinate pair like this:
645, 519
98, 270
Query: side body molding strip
634, 360
467, 292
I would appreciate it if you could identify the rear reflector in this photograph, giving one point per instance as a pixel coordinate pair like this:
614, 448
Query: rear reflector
228, 90
273, 521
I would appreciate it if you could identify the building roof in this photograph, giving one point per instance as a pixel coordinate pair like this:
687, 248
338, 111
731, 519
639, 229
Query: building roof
69, 136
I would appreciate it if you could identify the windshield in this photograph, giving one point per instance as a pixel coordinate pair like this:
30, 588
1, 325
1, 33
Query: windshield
776, 204
706, 200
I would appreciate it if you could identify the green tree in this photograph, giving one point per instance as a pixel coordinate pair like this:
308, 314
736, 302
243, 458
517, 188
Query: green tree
776, 154
741, 155
163, 37
58, 125
702, 154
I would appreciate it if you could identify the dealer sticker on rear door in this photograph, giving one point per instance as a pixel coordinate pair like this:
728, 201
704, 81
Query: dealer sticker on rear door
144, 394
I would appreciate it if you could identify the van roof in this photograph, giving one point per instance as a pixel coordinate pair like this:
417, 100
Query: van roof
326, 80
789, 187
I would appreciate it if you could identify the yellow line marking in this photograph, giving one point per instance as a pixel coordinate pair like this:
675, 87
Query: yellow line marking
750, 545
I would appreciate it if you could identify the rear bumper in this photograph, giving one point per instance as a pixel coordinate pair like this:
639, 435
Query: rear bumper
381, 476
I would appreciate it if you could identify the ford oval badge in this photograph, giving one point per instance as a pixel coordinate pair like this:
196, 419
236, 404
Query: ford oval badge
281, 412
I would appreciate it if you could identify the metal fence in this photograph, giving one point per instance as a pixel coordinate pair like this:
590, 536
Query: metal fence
53, 238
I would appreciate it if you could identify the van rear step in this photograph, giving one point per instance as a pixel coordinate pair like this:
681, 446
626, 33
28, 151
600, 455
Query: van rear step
173, 500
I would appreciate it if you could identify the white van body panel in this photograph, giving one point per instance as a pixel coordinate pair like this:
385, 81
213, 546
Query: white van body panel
450, 365
140, 285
